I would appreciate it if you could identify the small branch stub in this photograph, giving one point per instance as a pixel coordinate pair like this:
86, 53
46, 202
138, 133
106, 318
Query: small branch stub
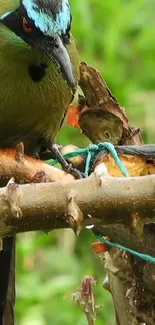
101, 172
40, 177
12, 196
75, 216
137, 224
106, 283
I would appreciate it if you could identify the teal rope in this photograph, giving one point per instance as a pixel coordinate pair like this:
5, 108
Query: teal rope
91, 151
94, 149
145, 257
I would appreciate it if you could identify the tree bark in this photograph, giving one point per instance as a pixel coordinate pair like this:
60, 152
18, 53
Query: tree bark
102, 119
119, 206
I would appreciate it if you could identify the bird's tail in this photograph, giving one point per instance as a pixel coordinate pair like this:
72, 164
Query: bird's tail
7, 281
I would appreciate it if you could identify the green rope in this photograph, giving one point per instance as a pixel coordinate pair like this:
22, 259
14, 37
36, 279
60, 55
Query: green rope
94, 149
91, 151
145, 257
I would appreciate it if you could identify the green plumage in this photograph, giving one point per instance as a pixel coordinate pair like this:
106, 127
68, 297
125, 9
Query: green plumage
30, 110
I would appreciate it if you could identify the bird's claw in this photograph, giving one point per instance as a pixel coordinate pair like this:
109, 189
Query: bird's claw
64, 164
75, 172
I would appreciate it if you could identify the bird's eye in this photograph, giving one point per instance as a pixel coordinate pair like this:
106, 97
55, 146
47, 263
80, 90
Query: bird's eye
26, 26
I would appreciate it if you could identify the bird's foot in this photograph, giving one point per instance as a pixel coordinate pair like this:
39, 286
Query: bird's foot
74, 171
53, 152
64, 164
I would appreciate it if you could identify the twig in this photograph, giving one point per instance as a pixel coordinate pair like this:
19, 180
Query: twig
89, 319
85, 297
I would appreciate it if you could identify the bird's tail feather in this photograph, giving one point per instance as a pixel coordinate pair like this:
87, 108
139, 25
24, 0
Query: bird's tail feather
7, 281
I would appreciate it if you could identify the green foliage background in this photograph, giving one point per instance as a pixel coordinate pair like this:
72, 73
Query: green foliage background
118, 38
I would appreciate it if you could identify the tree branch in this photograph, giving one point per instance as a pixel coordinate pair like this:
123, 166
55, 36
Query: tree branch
28, 169
119, 208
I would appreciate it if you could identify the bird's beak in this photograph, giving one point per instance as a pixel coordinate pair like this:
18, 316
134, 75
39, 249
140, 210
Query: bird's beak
56, 50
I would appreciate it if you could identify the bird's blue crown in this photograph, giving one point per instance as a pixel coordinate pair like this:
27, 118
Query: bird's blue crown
50, 22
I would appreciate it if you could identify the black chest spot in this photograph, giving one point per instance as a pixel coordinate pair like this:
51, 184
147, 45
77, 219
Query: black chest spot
37, 71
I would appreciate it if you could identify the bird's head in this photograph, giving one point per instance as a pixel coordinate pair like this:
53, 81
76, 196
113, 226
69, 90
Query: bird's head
45, 24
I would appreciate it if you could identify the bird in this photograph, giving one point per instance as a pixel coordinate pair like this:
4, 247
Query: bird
39, 72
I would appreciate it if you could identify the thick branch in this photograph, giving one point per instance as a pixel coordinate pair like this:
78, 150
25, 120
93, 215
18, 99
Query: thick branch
28, 169
114, 206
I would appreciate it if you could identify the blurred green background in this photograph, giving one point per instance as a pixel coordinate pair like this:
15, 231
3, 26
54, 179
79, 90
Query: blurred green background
118, 38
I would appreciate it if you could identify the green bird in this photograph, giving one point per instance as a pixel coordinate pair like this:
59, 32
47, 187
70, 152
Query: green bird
39, 70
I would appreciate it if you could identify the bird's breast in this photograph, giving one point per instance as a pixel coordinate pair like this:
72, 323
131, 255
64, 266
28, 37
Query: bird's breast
33, 101
34, 96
